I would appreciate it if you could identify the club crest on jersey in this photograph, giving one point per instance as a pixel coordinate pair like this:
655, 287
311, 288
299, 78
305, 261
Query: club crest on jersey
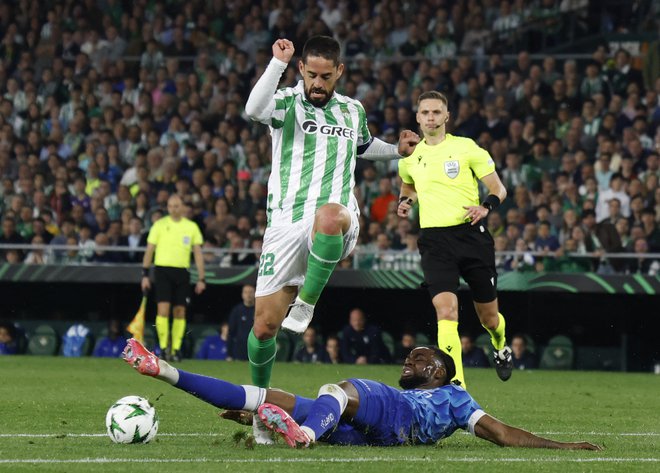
310, 127
452, 168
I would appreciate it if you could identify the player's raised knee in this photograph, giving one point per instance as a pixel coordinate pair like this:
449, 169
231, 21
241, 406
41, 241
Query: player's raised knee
332, 219
264, 328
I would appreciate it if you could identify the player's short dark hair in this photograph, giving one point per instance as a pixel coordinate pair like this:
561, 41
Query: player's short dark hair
322, 46
448, 362
433, 95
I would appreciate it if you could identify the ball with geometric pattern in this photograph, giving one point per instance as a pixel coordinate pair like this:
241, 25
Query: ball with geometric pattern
132, 419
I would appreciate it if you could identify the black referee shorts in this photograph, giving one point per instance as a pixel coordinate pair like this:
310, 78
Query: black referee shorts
466, 251
172, 285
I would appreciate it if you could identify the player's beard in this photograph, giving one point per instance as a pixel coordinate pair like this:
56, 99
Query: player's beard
318, 102
411, 382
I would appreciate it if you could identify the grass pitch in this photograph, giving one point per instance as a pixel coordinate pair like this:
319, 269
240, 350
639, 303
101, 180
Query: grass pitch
53, 412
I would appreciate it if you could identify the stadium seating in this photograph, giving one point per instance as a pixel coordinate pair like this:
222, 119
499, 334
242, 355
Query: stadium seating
558, 354
388, 341
422, 339
200, 336
300, 344
77, 341
483, 342
43, 341
150, 339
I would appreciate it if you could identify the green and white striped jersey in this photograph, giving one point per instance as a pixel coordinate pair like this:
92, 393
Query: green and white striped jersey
314, 152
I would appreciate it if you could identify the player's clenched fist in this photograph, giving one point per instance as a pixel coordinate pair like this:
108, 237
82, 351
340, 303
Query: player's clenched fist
283, 50
407, 141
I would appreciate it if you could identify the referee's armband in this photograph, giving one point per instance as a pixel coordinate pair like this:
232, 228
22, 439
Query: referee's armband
491, 202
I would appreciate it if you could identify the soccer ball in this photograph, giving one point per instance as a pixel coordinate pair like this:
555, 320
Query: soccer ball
132, 419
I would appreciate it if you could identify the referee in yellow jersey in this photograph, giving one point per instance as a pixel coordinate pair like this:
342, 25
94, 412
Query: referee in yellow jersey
172, 238
442, 174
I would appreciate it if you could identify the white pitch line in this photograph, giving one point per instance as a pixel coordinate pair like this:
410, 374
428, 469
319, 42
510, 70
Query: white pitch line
196, 434
332, 460
212, 434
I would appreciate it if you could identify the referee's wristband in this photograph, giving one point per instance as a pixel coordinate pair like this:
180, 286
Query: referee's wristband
202, 280
405, 199
491, 202
145, 272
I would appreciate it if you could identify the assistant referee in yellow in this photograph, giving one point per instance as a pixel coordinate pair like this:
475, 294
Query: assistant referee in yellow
173, 238
442, 175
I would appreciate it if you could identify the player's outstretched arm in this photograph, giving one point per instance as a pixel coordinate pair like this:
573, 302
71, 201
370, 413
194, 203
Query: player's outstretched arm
491, 429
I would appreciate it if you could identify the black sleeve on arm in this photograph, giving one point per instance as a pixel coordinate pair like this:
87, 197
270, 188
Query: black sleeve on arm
362, 148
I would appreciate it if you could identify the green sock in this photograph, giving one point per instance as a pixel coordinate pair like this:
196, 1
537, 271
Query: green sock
450, 343
497, 336
261, 354
163, 331
178, 331
323, 257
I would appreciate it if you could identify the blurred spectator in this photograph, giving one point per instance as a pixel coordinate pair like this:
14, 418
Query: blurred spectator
7, 338
642, 265
613, 191
473, 356
651, 228
311, 351
522, 358
403, 347
135, 238
332, 353
241, 318
9, 235
361, 342
113, 343
380, 205
37, 256
215, 346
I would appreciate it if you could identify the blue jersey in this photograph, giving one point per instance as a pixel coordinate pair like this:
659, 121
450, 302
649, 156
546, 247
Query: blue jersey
387, 416
437, 413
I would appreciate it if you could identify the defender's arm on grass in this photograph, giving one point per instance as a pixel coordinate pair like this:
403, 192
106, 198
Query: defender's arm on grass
491, 429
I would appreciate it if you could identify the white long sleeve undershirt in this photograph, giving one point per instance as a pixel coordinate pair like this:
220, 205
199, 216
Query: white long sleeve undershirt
260, 103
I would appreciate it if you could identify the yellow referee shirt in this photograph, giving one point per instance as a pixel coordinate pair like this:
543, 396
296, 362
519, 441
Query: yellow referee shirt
174, 241
445, 178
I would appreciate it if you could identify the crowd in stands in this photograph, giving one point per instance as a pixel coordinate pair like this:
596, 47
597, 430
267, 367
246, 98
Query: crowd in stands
110, 106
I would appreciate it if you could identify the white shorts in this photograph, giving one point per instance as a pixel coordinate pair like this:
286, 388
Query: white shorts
285, 251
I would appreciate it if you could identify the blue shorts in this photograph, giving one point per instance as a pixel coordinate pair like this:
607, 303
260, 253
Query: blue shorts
384, 417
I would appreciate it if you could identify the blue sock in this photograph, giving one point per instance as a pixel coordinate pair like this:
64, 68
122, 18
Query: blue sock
214, 391
301, 409
323, 415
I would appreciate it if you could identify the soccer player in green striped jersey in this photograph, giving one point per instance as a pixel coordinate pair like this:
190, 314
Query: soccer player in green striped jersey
312, 212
